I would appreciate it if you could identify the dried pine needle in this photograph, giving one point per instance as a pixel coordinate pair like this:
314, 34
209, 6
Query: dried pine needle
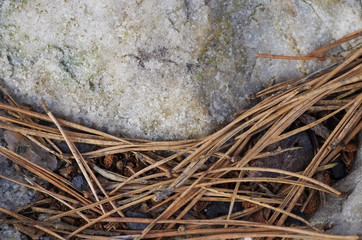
172, 179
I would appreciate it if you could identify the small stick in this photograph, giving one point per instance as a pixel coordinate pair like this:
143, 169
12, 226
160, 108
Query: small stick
83, 165
307, 58
21, 217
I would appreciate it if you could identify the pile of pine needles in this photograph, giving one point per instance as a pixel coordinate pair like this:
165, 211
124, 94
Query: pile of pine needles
175, 179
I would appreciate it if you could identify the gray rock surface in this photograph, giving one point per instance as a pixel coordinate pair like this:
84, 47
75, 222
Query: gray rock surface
12, 195
159, 69
29, 150
344, 215
162, 69
9, 233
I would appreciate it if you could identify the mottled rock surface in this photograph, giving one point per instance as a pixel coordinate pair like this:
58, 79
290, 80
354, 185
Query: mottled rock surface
159, 69
12, 195
345, 215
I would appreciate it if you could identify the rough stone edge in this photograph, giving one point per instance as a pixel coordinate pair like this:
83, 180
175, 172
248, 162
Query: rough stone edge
338, 212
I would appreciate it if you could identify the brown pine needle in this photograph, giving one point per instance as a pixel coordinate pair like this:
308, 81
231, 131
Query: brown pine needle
308, 58
176, 180
18, 216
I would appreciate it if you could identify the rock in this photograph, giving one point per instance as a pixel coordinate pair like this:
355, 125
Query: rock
12, 195
9, 233
156, 69
339, 171
344, 215
79, 182
137, 226
82, 147
292, 161
295, 222
218, 209
164, 69
29, 150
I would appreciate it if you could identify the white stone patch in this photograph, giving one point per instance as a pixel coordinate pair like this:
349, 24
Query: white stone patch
159, 69
121, 64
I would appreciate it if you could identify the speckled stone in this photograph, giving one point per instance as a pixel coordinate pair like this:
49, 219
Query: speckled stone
164, 69
160, 69
12, 195
344, 215
79, 182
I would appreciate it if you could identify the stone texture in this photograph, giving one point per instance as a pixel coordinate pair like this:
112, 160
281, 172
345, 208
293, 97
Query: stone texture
163, 69
12, 195
159, 69
345, 215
